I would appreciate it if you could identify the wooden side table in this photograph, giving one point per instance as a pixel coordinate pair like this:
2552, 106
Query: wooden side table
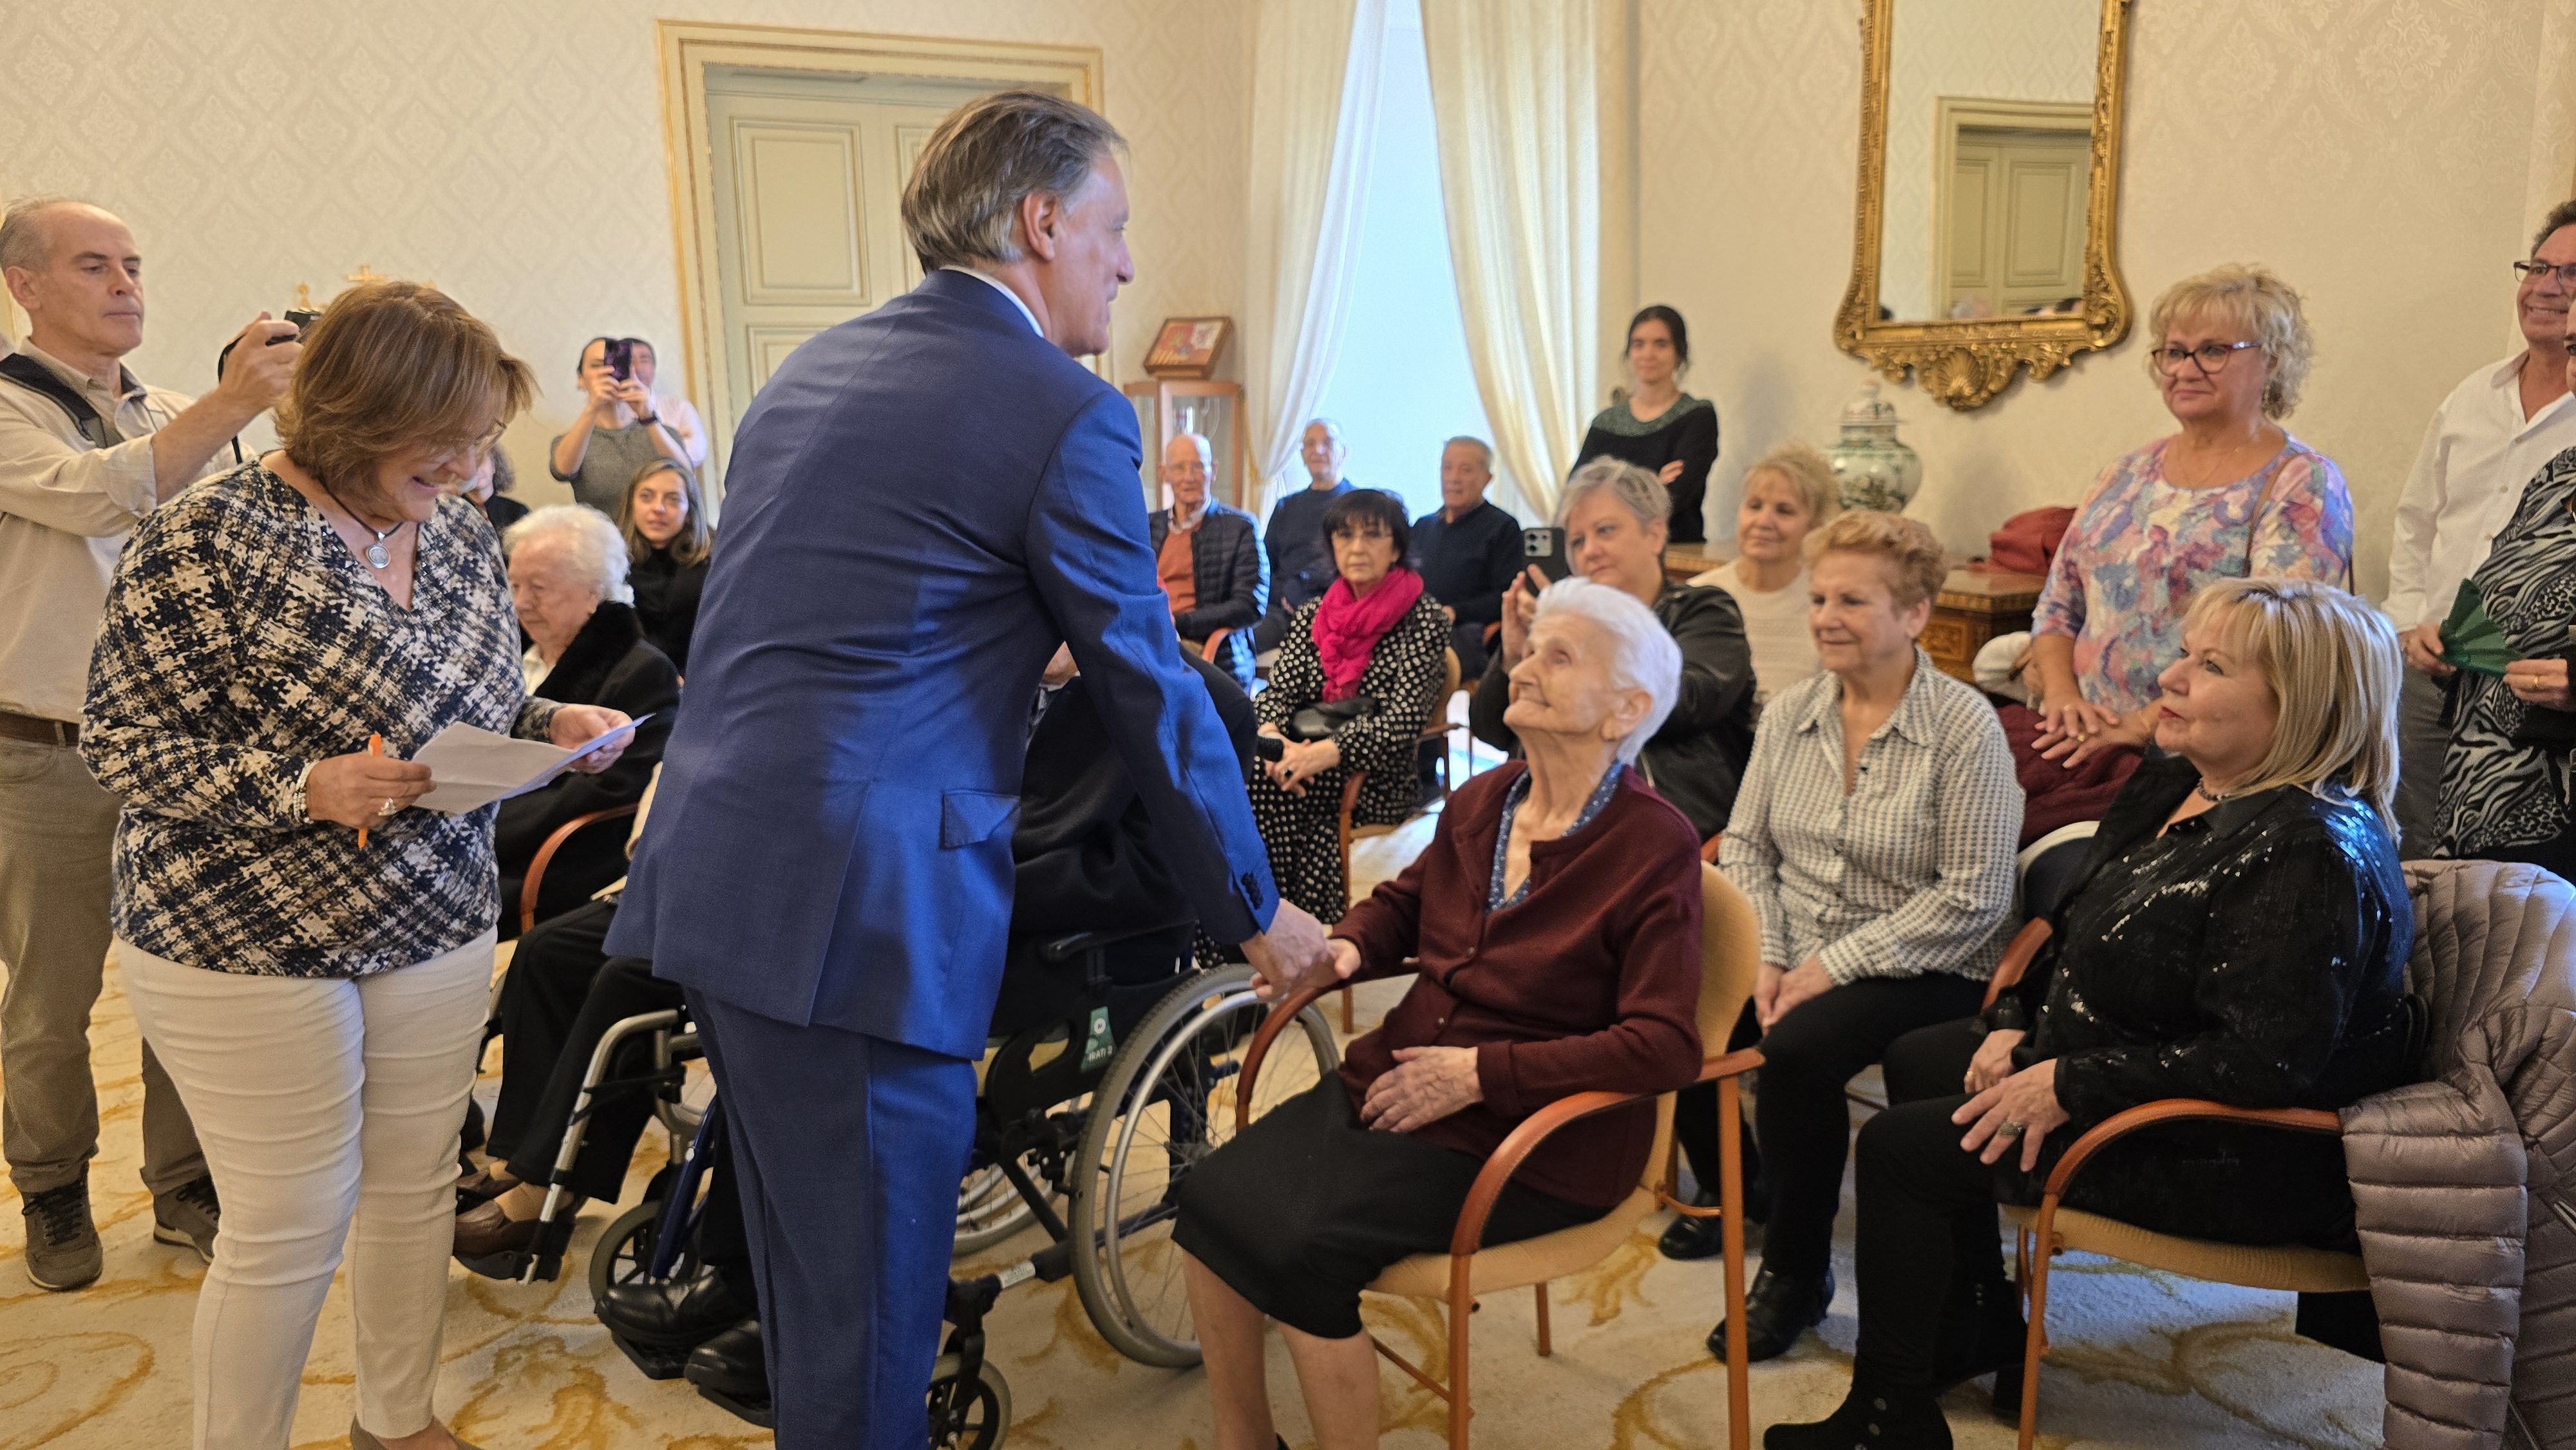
1973, 608
1685, 562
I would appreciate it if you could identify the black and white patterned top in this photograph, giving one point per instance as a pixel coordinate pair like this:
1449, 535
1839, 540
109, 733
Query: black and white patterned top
2502, 788
1912, 872
243, 643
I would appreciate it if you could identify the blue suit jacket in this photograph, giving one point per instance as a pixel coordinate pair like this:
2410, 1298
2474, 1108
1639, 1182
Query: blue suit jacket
921, 503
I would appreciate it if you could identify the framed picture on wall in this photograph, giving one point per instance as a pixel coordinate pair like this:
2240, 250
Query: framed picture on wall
1188, 347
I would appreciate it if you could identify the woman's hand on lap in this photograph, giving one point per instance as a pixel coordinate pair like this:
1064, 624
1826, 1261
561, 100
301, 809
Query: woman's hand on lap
2028, 1098
1993, 1062
1303, 760
1426, 1085
1796, 985
577, 725
355, 790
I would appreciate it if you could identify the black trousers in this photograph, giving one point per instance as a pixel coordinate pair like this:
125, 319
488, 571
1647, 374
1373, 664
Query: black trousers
1695, 1128
563, 995
1800, 1115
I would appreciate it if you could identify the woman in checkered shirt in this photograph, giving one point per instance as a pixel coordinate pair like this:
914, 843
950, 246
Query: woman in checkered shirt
1875, 834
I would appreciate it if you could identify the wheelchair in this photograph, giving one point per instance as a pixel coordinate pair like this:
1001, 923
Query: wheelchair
1102, 1106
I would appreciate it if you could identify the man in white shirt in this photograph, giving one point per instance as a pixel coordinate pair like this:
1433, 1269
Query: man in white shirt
671, 408
2487, 440
85, 453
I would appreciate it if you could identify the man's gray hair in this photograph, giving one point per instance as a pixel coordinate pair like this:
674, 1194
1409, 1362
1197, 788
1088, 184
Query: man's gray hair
962, 204
1634, 487
24, 242
1484, 450
597, 549
1643, 655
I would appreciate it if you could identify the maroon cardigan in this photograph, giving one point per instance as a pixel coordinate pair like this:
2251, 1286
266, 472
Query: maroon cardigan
1591, 982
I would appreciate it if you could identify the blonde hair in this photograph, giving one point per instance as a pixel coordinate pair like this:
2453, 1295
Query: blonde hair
1916, 562
2334, 669
1808, 475
2258, 301
388, 366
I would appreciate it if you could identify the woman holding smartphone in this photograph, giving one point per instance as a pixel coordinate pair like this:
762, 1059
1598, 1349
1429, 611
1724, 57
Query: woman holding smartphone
617, 433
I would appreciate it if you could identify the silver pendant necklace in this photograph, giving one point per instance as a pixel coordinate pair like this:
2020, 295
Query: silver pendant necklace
376, 554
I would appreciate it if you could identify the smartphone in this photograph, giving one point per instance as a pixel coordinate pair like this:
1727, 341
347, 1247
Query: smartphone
619, 354
1546, 549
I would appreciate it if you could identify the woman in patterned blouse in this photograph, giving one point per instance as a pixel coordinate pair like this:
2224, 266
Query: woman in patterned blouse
2230, 494
308, 953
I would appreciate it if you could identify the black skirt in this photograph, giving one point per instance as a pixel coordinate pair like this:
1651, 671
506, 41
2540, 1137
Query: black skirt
1307, 1206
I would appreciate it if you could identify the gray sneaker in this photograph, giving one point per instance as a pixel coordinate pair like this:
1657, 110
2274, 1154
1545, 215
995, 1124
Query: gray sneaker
186, 1217
62, 1244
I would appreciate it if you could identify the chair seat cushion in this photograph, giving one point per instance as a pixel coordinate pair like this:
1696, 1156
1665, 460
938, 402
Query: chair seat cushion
2285, 1266
1531, 1261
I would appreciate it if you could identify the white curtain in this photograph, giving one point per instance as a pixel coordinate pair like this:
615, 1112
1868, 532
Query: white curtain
1314, 115
1516, 96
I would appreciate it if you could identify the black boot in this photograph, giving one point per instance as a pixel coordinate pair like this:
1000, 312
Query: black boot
1871, 1418
1983, 1332
730, 1364
1777, 1309
677, 1314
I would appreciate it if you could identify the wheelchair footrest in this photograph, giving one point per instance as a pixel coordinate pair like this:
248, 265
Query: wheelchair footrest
756, 1411
657, 1363
509, 1264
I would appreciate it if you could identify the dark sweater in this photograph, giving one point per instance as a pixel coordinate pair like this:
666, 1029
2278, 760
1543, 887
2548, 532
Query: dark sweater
1230, 577
608, 663
1471, 562
1301, 563
1686, 431
666, 599
1590, 983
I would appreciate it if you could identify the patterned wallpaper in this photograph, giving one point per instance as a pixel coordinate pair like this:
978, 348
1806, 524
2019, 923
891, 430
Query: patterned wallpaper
513, 154
2378, 153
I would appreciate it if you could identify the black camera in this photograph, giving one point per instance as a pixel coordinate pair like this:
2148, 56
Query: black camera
298, 317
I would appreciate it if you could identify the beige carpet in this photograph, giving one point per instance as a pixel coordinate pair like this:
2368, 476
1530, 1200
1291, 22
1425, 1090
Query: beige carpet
2141, 1359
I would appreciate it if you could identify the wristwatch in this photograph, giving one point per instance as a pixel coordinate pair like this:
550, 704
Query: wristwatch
650, 418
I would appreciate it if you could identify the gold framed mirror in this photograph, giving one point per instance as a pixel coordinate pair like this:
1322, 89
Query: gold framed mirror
1987, 233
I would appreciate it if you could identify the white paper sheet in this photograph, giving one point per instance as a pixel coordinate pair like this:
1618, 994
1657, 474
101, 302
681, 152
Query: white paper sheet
472, 767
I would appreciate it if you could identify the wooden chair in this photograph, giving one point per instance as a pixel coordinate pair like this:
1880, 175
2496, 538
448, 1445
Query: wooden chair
1215, 641
530, 884
1730, 951
1437, 728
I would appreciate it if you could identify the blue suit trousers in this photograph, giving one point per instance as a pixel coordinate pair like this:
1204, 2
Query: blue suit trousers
847, 1152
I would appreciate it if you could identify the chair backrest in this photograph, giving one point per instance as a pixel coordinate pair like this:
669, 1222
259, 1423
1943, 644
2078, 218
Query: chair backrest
1730, 954
1450, 672
2048, 866
2487, 934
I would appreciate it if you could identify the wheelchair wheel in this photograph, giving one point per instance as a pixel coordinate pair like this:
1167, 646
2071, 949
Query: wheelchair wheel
624, 1253
990, 1210
1167, 1102
964, 1414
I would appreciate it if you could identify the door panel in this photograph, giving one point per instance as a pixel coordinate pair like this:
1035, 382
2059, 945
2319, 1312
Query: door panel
799, 211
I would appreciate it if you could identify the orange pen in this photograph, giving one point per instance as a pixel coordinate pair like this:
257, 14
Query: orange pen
375, 746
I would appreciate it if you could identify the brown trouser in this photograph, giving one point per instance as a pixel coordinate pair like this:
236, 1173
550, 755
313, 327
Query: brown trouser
56, 828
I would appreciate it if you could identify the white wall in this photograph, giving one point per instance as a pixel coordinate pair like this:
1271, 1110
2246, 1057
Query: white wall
2378, 153
512, 153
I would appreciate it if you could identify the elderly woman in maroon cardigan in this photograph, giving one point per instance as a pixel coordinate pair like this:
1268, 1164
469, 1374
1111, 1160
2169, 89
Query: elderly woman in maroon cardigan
1556, 921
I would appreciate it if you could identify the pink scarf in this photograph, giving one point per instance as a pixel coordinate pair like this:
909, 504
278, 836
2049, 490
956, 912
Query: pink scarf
1347, 627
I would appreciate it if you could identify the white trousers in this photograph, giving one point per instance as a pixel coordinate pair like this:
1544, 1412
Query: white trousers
321, 1104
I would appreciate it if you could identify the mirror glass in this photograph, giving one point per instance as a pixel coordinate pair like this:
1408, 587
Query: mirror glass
1989, 155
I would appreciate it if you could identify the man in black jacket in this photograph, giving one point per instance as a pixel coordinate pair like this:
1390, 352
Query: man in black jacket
1468, 551
1210, 560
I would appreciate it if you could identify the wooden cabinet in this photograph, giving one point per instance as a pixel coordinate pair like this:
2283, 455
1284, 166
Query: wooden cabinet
1973, 608
1168, 407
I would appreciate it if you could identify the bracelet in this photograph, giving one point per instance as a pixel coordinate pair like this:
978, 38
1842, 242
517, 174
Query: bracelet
303, 809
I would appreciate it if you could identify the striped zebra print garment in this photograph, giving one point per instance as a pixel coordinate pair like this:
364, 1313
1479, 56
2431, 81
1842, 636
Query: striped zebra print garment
2497, 793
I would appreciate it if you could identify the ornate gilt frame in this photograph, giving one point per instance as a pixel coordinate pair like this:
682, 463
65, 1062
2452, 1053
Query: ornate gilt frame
1964, 364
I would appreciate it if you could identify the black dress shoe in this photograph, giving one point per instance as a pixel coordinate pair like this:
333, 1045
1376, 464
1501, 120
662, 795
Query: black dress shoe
1777, 1309
1687, 1238
730, 1364
677, 1314
1869, 1419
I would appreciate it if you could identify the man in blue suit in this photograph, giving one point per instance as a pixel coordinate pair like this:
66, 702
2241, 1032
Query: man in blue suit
922, 502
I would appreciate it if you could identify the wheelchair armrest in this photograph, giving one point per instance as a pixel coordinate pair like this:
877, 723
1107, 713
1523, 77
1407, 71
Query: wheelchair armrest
2174, 1110
536, 873
1535, 1129
2018, 955
1066, 948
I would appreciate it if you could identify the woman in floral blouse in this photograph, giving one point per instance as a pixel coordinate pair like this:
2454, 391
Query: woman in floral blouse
308, 952
2230, 494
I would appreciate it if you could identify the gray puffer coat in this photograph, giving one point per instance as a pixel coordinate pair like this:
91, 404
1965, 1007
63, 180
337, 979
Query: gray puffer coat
2465, 1184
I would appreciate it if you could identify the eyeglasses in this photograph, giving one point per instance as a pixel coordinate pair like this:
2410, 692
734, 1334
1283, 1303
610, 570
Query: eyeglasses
2537, 272
2209, 357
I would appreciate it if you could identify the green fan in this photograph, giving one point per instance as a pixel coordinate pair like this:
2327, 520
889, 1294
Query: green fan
2470, 640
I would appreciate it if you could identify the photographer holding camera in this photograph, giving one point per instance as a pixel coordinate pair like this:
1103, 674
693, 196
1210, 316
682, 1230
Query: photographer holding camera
85, 452
618, 431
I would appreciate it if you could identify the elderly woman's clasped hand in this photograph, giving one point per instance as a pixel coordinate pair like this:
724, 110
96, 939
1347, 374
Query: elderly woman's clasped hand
2022, 1108
1427, 1084
1299, 761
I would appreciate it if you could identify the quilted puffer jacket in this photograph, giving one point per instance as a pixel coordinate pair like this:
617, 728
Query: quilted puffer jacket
2465, 1184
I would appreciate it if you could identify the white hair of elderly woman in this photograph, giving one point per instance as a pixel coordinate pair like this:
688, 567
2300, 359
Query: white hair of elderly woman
1643, 655
595, 549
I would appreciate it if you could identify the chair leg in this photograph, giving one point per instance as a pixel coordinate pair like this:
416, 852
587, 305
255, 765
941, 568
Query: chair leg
1545, 1348
1349, 1024
1730, 1196
2037, 1256
1462, 1307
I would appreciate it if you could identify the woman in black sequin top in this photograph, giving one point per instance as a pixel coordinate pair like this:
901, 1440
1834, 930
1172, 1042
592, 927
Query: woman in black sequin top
2240, 934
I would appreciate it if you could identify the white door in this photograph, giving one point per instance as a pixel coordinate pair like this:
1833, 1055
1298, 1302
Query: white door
808, 176
2015, 205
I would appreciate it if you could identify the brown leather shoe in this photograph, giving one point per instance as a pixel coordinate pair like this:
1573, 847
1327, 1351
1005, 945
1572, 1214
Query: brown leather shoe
484, 1230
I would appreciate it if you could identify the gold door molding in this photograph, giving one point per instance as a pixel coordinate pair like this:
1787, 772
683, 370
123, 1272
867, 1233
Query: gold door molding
689, 49
1964, 363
